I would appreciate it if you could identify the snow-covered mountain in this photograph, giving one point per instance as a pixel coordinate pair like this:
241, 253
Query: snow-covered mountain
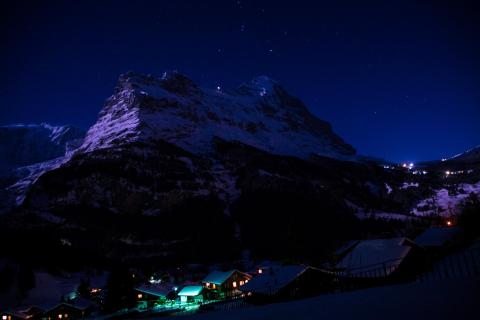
173, 108
470, 156
23, 145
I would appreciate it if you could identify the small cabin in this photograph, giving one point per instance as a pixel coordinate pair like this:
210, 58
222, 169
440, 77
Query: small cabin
80, 310
149, 296
380, 261
281, 283
225, 284
191, 294
438, 240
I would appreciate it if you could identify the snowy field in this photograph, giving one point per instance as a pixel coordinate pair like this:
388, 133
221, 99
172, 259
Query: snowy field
447, 299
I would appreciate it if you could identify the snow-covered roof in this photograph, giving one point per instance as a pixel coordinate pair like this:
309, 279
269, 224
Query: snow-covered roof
436, 237
156, 290
218, 277
191, 291
378, 253
276, 278
347, 246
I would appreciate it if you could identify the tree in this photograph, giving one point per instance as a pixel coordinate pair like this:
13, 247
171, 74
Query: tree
120, 290
83, 288
469, 218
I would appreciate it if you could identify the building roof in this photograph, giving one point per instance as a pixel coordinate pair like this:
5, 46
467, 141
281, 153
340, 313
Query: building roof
371, 254
191, 291
155, 290
346, 247
276, 278
219, 277
436, 237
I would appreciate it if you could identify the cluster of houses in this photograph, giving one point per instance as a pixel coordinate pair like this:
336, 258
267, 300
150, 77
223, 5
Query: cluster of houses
357, 264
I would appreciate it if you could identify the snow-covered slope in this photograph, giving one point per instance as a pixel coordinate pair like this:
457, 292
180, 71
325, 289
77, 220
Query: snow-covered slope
173, 108
23, 145
445, 203
471, 155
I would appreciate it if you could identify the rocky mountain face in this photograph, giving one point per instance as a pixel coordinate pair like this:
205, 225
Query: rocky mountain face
23, 145
174, 109
26, 151
173, 171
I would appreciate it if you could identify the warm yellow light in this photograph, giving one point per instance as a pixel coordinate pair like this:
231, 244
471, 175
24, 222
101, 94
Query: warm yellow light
242, 283
4, 317
207, 284
59, 316
213, 286
449, 223
139, 296
260, 271
234, 284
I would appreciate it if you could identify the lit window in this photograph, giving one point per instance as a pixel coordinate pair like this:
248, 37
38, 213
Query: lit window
207, 284
59, 316
214, 286
242, 283
246, 281
260, 271
140, 296
4, 317
234, 284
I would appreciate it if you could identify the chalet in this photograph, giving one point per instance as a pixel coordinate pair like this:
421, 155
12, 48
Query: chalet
80, 309
263, 267
437, 239
191, 294
13, 315
397, 259
279, 283
223, 284
149, 296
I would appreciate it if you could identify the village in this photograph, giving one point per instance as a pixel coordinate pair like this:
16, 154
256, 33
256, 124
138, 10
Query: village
438, 253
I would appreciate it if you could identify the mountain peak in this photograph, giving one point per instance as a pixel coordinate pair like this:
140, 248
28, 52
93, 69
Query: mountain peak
260, 113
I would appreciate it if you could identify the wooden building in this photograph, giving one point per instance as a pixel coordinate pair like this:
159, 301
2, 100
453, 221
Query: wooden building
366, 263
149, 296
224, 284
280, 283
81, 309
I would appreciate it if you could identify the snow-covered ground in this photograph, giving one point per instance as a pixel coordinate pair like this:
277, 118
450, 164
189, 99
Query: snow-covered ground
447, 299
444, 203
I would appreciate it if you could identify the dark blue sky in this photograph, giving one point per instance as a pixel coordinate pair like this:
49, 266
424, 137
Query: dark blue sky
397, 79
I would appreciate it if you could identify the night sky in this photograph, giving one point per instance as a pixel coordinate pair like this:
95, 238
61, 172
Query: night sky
396, 79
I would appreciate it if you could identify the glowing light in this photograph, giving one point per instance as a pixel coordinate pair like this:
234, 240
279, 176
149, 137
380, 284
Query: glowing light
447, 173
449, 223
234, 284
4, 317
219, 88
260, 271
139, 296
175, 288
242, 282
59, 316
